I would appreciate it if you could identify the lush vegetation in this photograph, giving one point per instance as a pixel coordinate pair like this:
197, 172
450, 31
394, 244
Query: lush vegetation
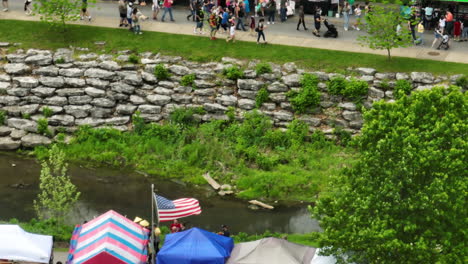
352, 89
261, 161
161, 72
39, 35
51, 227
262, 68
3, 116
308, 97
233, 73
188, 80
133, 59
404, 200
262, 96
402, 88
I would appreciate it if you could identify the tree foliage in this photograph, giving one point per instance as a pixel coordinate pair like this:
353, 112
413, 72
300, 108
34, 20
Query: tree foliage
59, 12
57, 193
404, 201
382, 25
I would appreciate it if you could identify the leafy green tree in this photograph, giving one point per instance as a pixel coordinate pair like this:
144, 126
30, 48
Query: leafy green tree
404, 201
382, 25
57, 193
59, 12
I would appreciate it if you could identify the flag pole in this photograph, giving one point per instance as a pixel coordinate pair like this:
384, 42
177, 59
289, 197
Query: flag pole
152, 224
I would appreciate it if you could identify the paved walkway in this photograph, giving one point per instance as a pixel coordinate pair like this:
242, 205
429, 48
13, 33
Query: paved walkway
105, 14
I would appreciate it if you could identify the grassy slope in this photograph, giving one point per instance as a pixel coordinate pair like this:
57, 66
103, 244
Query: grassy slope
38, 35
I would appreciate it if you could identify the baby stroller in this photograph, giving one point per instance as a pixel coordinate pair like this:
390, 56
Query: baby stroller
331, 30
444, 44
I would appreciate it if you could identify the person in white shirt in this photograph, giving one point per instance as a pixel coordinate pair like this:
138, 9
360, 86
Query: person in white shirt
428, 16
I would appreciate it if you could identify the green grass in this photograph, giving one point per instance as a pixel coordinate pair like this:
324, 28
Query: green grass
38, 35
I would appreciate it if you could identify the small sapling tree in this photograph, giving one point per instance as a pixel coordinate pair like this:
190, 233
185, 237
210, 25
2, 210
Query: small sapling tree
386, 30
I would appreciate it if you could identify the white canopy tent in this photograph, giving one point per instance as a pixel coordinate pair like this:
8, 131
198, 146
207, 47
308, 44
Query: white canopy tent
21, 246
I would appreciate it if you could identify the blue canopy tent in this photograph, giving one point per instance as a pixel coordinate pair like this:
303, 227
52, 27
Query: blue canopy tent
195, 246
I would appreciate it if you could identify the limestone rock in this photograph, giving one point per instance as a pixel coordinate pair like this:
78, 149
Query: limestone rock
352, 115
23, 124
55, 82
93, 92
385, 76
103, 102
132, 78
311, 121
99, 73
179, 70
289, 67
402, 76
137, 100
109, 65
163, 91
80, 100
53, 108
97, 83
115, 121
33, 140
127, 109
366, 71
16, 68
348, 106
89, 121
5, 77
17, 134
39, 59
149, 78
16, 58
26, 82
227, 100
277, 87
122, 88
9, 100
73, 72
61, 120
291, 80
422, 77
182, 98
149, 109
78, 111
56, 100
283, 115
205, 92
4, 131
209, 107
249, 84
204, 84
158, 99
376, 93
99, 112
246, 104
47, 71
278, 97
70, 92
6, 143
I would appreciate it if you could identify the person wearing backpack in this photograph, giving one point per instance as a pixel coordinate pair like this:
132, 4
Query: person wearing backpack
213, 20
199, 18
260, 28
240, 13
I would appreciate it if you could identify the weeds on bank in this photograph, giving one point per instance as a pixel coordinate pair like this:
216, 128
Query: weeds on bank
262, 162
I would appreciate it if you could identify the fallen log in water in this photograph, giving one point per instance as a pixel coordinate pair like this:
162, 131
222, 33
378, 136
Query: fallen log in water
264, 205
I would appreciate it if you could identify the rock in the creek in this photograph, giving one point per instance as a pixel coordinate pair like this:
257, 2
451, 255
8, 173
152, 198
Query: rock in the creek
33, 140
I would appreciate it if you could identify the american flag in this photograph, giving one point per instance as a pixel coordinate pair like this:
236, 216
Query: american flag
169, 210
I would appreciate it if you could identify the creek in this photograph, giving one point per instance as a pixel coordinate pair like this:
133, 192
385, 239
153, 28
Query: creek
129, 193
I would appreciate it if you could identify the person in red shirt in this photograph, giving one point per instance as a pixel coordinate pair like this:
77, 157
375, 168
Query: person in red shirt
175, 226
457, 29
167, 8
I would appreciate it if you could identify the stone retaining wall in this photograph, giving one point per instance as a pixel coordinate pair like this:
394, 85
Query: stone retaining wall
105, 90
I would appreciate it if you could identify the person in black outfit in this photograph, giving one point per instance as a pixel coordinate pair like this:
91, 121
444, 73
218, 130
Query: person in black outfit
301, 18
224, 231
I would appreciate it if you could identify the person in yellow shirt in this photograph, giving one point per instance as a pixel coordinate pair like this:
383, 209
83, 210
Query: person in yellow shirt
420, 33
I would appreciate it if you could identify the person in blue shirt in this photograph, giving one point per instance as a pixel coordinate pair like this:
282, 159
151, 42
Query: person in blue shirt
224, 20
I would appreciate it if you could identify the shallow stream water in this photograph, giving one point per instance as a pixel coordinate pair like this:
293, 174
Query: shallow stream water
129, 193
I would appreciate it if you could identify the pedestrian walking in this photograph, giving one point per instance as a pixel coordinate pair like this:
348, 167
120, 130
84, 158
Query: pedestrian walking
225, 20
27, 7
5, 5
155, 7
232, 31
240, 13
271, 11
449, 22
136, 21
465, 29
252, 25
346, 11
247, 11
357, 14
84, 10
129, 15
317, 22
420, 39
192, 8
283, 10
442, 23
260, 28
301, 18
167, 9
123, 14
213, 20
438, 32
457, 29
199, 17
428, 15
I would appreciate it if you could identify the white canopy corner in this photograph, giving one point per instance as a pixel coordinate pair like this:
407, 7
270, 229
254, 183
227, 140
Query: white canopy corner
21, 246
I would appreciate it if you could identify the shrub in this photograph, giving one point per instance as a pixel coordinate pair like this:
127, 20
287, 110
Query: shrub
262, 68
138, 123
60, 60
233, 73
231, 114
26, 116
43, 127
297, 131
262, 97
355, 89
185, 116
188, 80
402, 88
161, 72
308, 97
343, 137
462, 81
133, 59
337, 85
3, 116
47, 112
